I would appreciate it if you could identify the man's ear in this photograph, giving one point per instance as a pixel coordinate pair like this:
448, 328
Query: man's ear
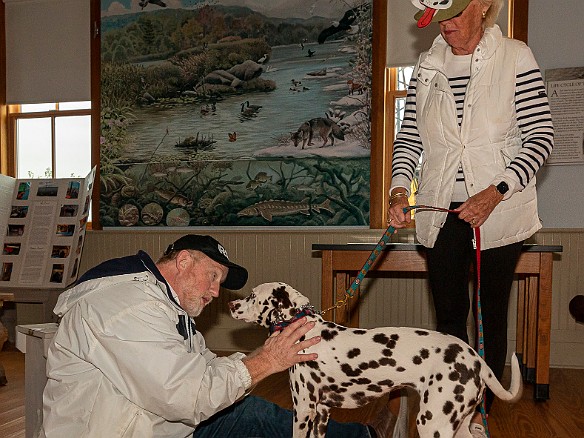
183, 260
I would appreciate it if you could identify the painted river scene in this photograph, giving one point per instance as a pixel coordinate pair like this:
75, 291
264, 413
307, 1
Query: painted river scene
232, 114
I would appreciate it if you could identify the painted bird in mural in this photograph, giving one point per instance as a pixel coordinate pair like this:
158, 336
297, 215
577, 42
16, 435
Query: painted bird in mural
144, 3
344, 24
252, 107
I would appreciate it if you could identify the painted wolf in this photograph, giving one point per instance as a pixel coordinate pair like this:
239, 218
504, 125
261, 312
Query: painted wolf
326, 128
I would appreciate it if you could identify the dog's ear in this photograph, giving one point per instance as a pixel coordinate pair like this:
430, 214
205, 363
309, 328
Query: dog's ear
274, 316
297, 299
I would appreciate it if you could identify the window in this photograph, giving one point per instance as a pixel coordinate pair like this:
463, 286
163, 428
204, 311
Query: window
51, 140
401, 82
398, 79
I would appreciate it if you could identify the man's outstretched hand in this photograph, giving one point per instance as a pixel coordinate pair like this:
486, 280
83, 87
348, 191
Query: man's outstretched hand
281, 350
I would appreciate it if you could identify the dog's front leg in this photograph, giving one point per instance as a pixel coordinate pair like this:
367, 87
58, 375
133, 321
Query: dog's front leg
304, 418
310, 421
321, 420
307, 416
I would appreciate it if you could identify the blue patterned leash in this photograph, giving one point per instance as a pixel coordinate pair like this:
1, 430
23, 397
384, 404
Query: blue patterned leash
381, 245
478, 311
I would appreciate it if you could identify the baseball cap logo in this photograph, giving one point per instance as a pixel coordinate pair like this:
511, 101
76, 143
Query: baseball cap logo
222, 251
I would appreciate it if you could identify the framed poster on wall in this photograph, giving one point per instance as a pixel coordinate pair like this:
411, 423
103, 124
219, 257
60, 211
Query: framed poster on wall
565, 89
235, 113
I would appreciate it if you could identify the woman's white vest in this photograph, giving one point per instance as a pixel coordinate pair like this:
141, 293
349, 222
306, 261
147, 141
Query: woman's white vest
487, 140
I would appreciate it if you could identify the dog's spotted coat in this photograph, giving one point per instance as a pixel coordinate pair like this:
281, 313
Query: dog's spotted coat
356, 366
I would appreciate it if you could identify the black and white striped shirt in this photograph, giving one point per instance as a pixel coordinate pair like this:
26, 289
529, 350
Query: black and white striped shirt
533, 118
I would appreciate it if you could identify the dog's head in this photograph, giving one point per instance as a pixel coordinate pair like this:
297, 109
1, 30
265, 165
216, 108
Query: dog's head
268, 304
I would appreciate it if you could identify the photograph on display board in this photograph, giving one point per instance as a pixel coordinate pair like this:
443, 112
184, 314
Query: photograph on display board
18, 211
57, 273
6, 272
69, 210
47, 188
15, 230
74, 269
11, 249
60, 251
23, 191
73, 190
65, 229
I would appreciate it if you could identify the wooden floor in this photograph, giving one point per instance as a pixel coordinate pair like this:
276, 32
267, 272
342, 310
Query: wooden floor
560, 417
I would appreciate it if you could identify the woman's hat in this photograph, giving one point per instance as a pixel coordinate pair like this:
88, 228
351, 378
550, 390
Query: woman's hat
437, 10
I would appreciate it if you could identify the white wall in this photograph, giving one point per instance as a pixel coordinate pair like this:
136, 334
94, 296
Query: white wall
555, 37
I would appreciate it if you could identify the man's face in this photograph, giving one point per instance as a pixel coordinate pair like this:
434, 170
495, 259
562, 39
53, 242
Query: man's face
464, 31
198, 281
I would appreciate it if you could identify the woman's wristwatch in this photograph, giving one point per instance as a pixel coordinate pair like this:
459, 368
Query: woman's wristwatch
502, 187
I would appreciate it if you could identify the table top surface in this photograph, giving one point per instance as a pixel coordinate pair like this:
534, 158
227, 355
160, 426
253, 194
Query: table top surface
5, 296
39, 330
360, 246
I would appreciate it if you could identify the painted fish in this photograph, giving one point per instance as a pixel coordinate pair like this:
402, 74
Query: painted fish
173, 198
269, 209
262, 177
253, 184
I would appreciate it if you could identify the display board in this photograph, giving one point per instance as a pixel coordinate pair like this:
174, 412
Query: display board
44, 222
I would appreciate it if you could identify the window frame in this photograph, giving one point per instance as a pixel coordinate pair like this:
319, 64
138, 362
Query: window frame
15, 114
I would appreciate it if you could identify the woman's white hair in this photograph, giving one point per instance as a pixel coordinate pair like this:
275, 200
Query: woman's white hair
495, 7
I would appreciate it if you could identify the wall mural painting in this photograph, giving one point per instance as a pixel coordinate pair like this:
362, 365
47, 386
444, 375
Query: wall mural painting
235, 112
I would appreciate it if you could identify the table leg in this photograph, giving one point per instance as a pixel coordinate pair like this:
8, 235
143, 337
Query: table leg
520, 346
544, 315
342, 313
532, 300
326, 296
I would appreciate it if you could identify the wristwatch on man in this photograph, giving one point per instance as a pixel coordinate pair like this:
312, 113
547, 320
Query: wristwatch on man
502, 187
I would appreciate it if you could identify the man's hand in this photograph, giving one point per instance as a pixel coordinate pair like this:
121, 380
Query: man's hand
281, 351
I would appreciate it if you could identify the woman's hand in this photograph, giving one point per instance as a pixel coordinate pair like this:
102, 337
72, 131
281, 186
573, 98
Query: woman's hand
396, 217
281, 350
478, 208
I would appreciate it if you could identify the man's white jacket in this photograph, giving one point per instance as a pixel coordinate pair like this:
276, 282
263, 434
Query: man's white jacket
118, 366
485, 143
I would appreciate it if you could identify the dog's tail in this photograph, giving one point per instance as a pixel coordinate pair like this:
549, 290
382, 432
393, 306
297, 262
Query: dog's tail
515, 390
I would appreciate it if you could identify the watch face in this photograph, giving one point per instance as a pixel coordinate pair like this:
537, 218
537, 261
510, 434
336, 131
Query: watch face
502, 187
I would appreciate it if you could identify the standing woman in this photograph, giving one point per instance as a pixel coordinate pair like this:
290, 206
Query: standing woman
478, 118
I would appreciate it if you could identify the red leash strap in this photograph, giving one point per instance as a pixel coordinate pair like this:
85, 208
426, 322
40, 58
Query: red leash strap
479, 318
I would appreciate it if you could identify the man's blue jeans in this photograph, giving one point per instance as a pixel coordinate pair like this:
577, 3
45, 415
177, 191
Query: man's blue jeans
259, 418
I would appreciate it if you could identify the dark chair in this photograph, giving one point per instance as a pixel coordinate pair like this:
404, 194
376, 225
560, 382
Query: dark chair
577, 308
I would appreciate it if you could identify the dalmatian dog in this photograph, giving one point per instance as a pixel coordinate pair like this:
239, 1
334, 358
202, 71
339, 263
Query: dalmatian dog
356, 366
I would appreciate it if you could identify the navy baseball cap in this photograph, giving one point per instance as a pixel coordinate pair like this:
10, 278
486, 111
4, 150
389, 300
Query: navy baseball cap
236, 276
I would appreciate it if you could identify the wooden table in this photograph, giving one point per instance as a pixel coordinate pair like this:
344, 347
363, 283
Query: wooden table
4, 296
341, 263
47, 298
